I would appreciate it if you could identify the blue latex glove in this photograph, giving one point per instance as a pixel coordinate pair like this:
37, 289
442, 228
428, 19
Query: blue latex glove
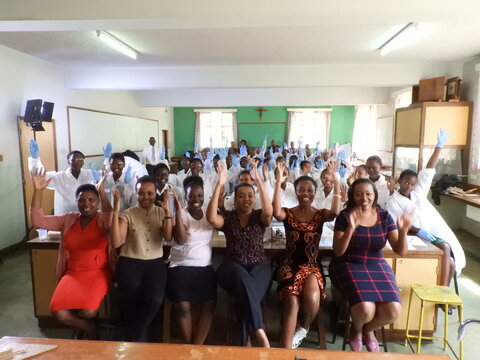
271, 152
107, 150
271, 165
426, 235
319, 163
341, 156
162, 153
243, 150
292, 166
235, 160
223, 154
249, 167
301, 151
33, 149
317, 145
187, 154
285, 146
342, 170
128, 175
95, 174
297, 164
442, 138
209, 156
300, 142
335, 144
198, 156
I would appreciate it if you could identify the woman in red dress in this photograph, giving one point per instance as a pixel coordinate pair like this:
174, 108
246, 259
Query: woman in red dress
86, 259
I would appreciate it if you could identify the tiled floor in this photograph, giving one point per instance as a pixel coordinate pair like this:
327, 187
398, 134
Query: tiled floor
17, 319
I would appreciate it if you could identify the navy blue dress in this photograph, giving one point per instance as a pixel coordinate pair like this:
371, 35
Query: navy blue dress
362, 274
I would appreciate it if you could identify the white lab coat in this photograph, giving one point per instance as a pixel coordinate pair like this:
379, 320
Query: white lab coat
64, 184
383, 192
148, 155
425, 216
137, 169
128, 196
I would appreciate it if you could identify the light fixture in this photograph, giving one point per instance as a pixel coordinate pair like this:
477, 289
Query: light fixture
116, 44
398, 39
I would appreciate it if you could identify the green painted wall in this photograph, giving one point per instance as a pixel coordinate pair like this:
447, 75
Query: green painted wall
250, 128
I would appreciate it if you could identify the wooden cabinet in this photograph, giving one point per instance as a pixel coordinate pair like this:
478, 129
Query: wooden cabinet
416, 129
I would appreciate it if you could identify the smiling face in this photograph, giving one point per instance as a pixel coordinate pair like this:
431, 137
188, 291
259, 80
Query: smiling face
117, 166
196, 167
327, 181
245, 178
305, 192
244, 199
87, 202
161, 177
194, 197
407, 184
76, 161
244, 162
185, 163
146, 193
373, 169
364, 195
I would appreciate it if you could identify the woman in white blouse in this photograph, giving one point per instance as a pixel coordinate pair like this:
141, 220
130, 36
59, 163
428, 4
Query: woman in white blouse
191, 278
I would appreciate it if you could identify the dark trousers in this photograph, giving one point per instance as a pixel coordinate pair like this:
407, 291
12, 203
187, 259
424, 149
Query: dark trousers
248, 284
141, 284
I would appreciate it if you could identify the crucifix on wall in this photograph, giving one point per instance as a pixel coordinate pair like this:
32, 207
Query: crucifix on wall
261, 110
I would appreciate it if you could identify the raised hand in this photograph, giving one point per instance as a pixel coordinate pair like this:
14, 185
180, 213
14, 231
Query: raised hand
34, 150
101, 183
271, 152
187, 154
342, 170
162, 153
128, 175
341, 156
354, 218
319, 163
254, 172
39, 180
281, 176
116, 200
404, 222
317, 146
442, 138
222, 173
243, 150
96, 175
391, 184
107, 150
235, 161
344, 192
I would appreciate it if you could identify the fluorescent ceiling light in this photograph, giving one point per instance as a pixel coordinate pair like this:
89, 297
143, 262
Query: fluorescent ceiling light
400, 38
117, 44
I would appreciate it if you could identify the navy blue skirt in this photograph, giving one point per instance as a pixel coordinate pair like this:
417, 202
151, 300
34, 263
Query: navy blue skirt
191, 283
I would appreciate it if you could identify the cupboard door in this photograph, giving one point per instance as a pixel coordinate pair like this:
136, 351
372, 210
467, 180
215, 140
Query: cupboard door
415, 271
454, 119
44, 263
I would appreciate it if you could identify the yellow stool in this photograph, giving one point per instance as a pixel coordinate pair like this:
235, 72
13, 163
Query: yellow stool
441, 295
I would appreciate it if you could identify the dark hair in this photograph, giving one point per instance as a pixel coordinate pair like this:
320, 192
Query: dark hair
350, 204
216, 157
406, 173
324, 171
131, 154
363, 166
146, 179
279, 158
193, 180
196, 159
243, 172
241, 185
160, 166
117, 156
73, 153
86, 187
375, 158
304, 162
304, 178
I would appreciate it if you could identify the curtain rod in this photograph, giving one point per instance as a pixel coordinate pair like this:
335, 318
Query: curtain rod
310, 109
209, 110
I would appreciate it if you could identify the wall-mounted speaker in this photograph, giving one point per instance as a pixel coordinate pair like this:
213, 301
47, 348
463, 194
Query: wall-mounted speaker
37, 111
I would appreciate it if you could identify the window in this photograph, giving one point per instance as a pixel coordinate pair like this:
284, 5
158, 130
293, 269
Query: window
215, 127
309, 126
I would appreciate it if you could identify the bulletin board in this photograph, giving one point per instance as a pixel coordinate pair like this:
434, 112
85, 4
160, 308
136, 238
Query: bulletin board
89, 131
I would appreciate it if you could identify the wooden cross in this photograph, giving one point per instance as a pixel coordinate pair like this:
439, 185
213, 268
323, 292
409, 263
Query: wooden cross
261, 110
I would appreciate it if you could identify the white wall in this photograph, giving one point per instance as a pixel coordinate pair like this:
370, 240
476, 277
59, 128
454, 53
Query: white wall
23, 78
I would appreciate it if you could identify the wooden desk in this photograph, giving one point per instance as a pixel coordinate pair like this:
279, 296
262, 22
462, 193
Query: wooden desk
469, 200
109, 350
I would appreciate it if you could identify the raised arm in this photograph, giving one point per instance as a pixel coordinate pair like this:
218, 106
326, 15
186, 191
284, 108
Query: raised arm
167, 229
278, 211
341, 239
40, 182
442, 138
337, 197
398, 238
119, 228
213, 217
267, 210
180, 233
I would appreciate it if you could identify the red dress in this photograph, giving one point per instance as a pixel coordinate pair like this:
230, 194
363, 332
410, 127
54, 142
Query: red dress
88, 276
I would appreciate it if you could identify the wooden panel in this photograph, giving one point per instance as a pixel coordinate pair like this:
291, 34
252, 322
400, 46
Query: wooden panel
44, 279
420, 271
407, 127
454, 119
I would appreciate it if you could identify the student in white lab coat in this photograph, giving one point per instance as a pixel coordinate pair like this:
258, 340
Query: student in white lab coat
132, 161
288, 197
160, 175
65, 183
427, 223
120, 180
384, 188
244, 177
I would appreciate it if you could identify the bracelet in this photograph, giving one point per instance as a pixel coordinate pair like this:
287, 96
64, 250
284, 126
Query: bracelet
337, 195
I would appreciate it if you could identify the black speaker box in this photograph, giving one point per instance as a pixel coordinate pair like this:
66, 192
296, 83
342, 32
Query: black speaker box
47, 111
33, 112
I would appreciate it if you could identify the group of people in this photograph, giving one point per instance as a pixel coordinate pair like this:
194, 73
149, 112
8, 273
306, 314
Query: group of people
120, 226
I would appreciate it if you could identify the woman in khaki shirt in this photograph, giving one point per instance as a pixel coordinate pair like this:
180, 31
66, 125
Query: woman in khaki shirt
141, 271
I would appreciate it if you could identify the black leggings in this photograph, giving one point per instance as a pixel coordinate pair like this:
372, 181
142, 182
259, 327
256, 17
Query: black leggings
142, 288
248, 284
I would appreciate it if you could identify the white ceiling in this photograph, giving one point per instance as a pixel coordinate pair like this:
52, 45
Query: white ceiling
203, 36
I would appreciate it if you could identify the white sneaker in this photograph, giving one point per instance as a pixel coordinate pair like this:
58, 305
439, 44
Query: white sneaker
298, 336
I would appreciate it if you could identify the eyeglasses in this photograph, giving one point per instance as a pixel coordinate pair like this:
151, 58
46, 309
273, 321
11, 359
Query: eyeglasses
77, 159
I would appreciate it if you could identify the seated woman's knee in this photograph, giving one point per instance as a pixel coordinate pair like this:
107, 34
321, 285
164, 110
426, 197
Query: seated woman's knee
62, 315
88, 313
390, 311
363, 310
290, 301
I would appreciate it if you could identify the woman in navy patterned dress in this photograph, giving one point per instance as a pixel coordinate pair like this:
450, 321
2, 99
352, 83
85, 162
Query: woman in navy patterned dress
300, 282
359, 269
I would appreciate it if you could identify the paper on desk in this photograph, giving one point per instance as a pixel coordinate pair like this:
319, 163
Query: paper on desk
416, 241
25, 351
